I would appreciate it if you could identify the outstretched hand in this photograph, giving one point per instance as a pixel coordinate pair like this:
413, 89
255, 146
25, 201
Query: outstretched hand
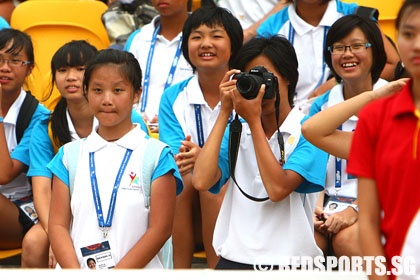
390, 88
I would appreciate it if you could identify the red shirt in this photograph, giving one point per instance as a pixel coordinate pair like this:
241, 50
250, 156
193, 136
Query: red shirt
385, 148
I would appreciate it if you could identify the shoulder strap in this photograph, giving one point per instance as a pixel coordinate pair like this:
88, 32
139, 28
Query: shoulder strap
72, 150
25, 114
151, 157
235, 131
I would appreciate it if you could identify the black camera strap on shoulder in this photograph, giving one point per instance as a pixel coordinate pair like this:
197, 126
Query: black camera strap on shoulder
235, 131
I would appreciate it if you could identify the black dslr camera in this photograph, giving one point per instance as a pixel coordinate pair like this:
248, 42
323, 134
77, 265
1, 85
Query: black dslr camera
248, 84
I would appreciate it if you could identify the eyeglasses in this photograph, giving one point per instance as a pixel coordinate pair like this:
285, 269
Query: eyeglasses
14, 62
354, 48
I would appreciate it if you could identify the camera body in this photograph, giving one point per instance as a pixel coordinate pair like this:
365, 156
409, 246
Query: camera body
248, 84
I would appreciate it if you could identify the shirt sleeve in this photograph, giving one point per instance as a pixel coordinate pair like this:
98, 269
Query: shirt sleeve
21, 152
170, 130
58, 168
311, 163
167, 164
41, 151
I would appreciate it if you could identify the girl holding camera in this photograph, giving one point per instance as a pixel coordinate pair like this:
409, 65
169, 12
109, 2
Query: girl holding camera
267, 209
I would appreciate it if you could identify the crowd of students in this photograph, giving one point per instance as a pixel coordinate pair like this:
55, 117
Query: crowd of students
249, 158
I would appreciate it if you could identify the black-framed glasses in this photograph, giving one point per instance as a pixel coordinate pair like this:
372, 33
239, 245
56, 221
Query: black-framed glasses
14, 62
354, 48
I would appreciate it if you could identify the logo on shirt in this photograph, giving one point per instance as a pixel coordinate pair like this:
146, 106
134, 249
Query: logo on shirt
134, 181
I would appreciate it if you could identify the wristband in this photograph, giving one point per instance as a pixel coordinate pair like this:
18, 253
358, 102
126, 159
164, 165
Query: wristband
1, 119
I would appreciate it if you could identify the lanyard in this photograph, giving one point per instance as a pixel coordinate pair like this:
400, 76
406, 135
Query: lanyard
104, 226
338, 176
170, 78
199, 124
291, 39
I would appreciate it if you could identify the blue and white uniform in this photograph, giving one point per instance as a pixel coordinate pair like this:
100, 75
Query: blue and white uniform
156, 55
184, 111
269, 232
131, 216
20, 186
308, 41
338, 181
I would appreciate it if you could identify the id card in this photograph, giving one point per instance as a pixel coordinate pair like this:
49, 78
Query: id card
29, 209
98, 256
334, 204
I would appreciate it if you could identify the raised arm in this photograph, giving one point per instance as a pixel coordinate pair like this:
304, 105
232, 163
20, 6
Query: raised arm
321, 129
206, 170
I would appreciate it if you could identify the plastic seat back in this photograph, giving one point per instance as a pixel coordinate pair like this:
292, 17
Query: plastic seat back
51, 24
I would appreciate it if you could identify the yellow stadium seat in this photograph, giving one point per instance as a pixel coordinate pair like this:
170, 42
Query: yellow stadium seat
51, 24
388, 11
7, 254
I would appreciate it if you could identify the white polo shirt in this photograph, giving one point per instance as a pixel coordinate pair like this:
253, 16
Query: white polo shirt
131, 216
266, 232
248, 12
139, 45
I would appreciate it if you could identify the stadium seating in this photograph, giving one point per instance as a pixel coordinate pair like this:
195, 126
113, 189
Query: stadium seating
51, 24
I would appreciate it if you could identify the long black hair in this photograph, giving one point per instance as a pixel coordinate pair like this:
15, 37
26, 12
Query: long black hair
72, 54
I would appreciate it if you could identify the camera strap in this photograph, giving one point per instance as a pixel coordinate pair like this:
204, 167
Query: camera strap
235, 131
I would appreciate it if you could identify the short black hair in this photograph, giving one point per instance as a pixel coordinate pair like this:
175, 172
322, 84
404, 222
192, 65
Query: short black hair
213, 16
343, 27
279, 51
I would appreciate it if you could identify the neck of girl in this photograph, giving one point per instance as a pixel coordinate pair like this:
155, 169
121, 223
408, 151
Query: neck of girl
209, 84
311, 13
351, 89
171, 26
114, 133
8, 98
81, 117
269, 121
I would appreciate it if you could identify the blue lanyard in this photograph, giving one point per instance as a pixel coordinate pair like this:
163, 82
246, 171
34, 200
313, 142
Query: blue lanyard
170, 78
291, 39
338, 176
199, 125
338, 171
104, 226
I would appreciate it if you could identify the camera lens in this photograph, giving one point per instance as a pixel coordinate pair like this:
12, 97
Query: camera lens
249, 85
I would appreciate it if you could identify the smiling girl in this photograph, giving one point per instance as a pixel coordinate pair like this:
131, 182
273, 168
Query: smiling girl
187, 112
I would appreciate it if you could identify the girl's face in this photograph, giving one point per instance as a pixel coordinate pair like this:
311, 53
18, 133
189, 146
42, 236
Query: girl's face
170, 7
209, 48
353, 65
111, 97
69, 81
409, 42
13, 70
